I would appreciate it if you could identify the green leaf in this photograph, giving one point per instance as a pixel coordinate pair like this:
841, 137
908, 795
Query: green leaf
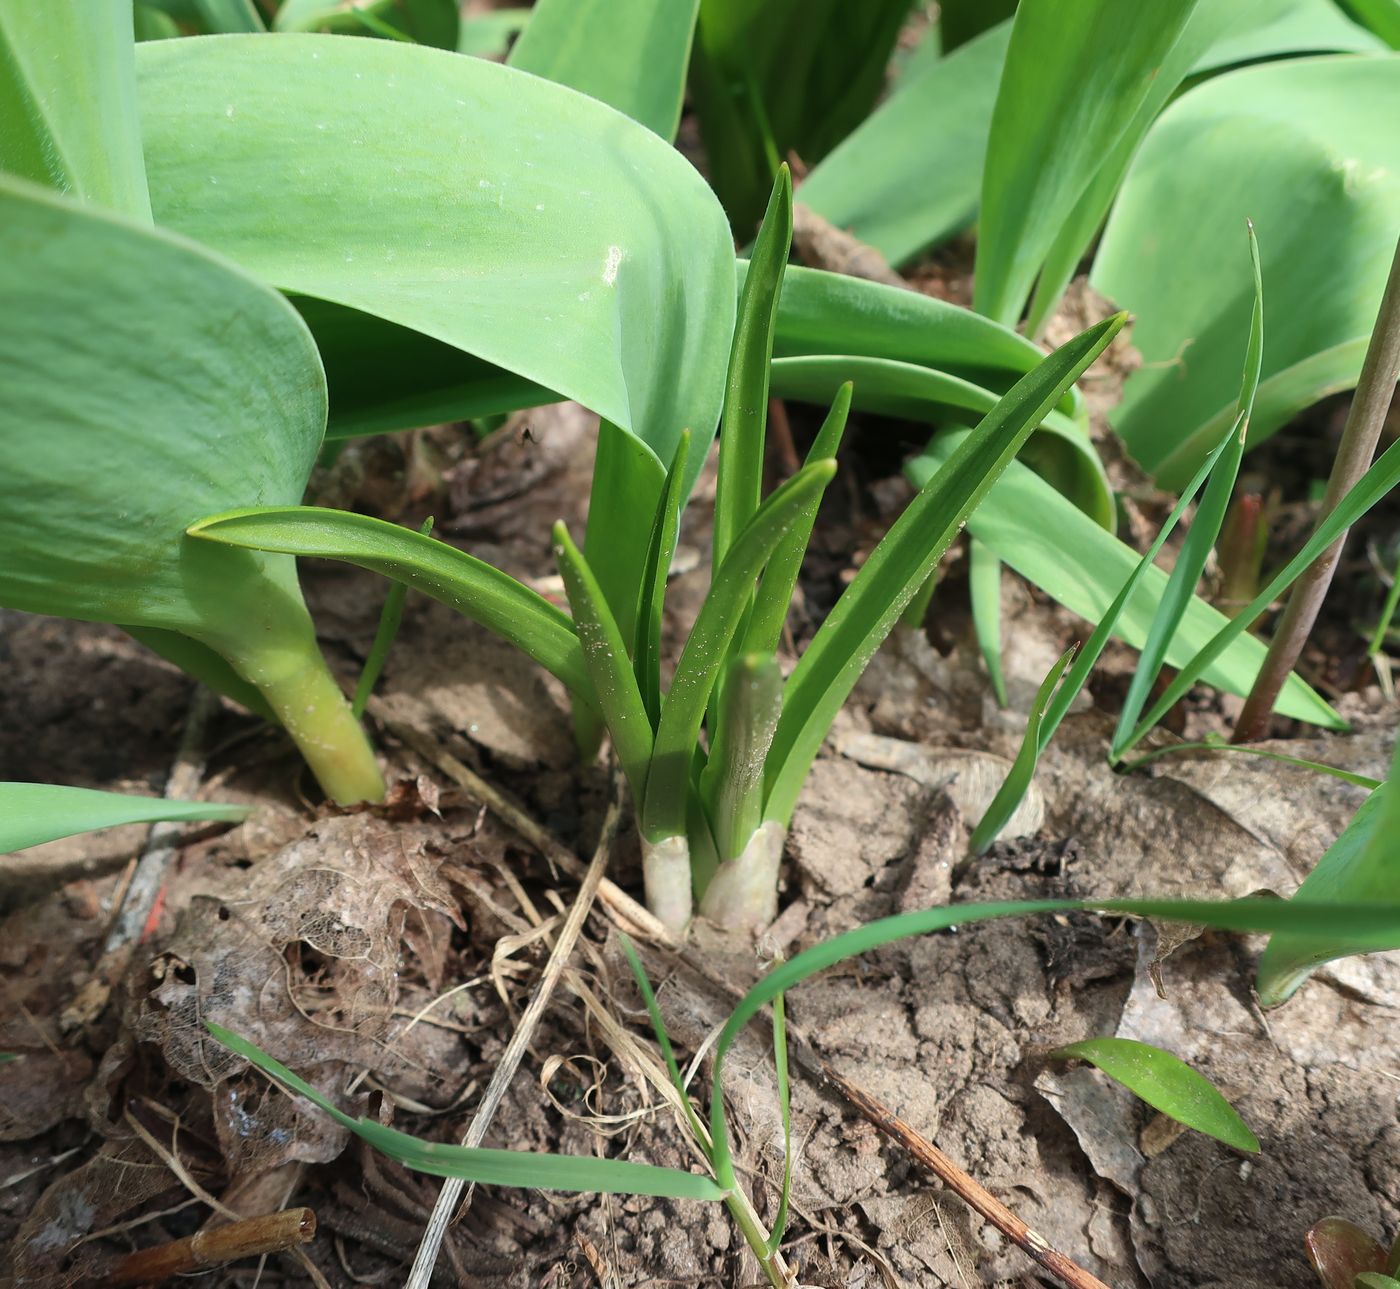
488, 34
902, 562
206, 666
482, 207
1304, 149
425, 22
1076, 71
1375, 484
770, 77
1375, 1280
631, 54
731, 783
1218, 744
661, 550
135, 411
31, 813
1018, 778
1202, 535
1363, 863
479, 1164
1364, 927
1279, 28
1340, 1251
707, 647
984, 590
461, 581
1167, 1084
900, 185
1056, 547
739, 486
68, 101
609, 667
227, 17
1059, 450
774, 598
1379, 16
388, 629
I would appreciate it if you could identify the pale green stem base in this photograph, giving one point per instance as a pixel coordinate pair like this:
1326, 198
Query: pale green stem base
743, 894
311, 707
666, 874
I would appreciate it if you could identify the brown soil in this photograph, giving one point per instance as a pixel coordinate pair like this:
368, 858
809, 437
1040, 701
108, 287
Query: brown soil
386, 955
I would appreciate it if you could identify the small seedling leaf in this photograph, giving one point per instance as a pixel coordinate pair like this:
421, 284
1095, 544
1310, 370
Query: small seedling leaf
984, 590
492, 1167
661, 549
1167, 1084
1340, 1251
31, 813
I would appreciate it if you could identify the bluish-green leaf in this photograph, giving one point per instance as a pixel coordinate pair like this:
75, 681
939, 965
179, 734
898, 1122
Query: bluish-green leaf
31, 813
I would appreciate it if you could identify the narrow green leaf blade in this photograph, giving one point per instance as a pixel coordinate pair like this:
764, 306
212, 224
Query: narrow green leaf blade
68, 101
31, 813
739, 486
661, 550
609, 667
731, 783
478, 1164
1203, 533
631, 54
461, 581
1167, 1084
390, 616
1018, 778
707, 647
984, 589
1075, 73
1052, 544
903, 561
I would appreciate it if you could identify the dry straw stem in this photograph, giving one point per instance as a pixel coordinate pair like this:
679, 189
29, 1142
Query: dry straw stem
443, 1211
248, 1238
1374, 390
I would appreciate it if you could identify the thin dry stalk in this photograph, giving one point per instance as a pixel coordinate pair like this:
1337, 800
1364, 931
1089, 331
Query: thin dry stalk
420, 1277
1374, 390
247, 1238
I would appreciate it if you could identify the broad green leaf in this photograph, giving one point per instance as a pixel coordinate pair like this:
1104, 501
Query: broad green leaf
1379, 16
830, 313
774, 598
1058, 548
961, 20
1059, 450
1167, 1084
609, 667
1340, 1251
479, 1164
153, 24
984, 593
488, 34
31, 813
140, 410
425, 22
1305, 149
1201, 537
739, 486
68, 101
1364, 927
1363, 863
227, 17
472, 587
1076, 71
770, 77
911, 174
1375, 484
482, 207
206, 666
1022, 771
1279, 28
632, 54
707, 646
901, 564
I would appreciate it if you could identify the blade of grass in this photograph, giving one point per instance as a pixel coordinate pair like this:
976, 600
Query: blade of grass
984, 587
1346, 776
706, 649
1375, 484
780, 1066
731, 784
774, 597
31, 813
472, 587
480, 1164
1018, 778
903, 561
389, 618
1205, 528
739, 486
1167, 1084
609, 667
661, 550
